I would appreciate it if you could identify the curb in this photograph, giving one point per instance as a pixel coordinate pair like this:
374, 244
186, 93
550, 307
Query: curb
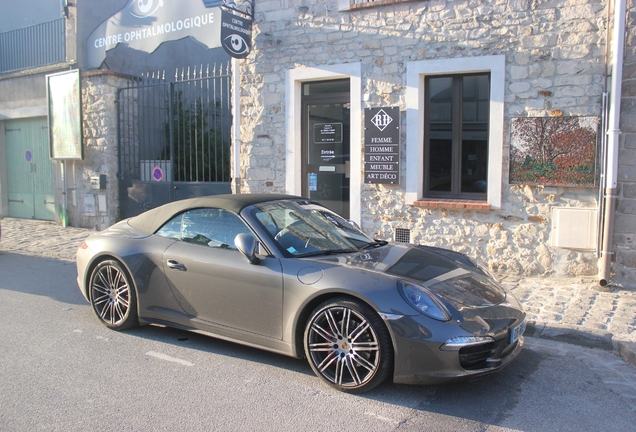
583, 337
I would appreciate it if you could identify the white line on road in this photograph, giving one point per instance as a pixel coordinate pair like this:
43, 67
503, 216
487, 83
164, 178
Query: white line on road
384, 419
168, 358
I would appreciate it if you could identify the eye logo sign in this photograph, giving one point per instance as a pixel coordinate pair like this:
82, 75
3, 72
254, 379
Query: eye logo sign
237, 46
144, 8
236, 34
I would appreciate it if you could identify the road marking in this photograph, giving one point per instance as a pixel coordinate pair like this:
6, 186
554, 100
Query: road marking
168, 358
379, 417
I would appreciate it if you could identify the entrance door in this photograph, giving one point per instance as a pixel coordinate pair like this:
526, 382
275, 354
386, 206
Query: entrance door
29, 169
326, 155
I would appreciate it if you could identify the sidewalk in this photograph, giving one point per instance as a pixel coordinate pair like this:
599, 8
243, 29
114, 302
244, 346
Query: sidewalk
576, 311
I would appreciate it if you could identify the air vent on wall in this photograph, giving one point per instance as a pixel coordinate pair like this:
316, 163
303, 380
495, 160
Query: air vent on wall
403, 235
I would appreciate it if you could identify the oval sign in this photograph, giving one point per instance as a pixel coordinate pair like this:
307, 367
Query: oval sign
157, 174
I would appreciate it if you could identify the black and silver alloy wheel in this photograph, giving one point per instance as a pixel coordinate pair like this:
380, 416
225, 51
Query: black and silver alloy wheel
112, 296
348, 345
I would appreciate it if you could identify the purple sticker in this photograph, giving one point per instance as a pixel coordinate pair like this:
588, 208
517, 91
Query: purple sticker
28, 155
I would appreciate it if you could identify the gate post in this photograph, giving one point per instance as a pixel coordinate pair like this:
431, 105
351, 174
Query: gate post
96, 205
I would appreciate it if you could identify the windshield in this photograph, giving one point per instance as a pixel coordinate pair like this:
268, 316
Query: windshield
304, 228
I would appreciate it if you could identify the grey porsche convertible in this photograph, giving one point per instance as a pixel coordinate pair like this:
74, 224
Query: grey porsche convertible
285, 274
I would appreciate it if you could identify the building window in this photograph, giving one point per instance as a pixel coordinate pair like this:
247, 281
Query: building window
455, 132
456, 136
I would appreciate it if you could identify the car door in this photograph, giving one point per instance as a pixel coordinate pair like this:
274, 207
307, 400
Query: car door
214, 282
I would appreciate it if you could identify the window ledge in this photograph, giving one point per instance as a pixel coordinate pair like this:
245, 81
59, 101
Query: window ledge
452, 204
345, 5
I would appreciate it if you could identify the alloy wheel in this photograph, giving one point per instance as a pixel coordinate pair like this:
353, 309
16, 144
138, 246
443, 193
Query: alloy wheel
344, 347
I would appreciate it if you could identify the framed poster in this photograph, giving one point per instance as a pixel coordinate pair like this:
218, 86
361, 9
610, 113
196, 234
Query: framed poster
554, 151
65, 115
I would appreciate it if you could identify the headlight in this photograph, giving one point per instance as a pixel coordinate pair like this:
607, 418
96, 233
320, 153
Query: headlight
424, 301
463, 341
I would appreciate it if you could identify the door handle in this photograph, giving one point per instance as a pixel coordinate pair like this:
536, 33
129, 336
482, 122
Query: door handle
175, 265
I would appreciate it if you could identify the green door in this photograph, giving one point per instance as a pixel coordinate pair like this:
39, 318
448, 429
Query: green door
29, 169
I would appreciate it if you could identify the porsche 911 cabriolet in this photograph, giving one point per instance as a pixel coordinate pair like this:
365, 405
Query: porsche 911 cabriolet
287, 275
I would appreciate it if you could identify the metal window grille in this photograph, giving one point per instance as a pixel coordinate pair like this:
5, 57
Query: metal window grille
35, 46
403, 235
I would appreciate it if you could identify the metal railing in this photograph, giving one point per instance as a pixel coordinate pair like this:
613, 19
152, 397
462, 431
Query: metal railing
181, 126
30, 47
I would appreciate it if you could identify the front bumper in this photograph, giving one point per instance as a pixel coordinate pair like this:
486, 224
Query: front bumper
420, 356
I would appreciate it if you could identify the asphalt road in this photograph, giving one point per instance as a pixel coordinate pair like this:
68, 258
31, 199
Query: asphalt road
61, 370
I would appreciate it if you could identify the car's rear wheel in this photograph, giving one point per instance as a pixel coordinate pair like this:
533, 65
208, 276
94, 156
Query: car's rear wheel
113, 296
348, 345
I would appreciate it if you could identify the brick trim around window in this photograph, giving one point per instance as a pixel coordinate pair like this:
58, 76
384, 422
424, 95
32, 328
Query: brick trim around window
345, 5
453, 204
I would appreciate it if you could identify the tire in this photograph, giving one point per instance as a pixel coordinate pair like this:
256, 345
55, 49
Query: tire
112, 296
348, 346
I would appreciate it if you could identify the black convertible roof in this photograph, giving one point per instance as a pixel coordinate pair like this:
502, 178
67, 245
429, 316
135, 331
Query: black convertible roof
150, 221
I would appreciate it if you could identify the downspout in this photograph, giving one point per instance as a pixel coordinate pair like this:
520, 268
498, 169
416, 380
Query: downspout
236, 124
610, 181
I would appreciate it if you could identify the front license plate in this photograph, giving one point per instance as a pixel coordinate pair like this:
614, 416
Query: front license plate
516, 332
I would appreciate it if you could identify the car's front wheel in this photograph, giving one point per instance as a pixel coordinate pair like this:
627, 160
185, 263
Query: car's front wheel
348, 345
113, 296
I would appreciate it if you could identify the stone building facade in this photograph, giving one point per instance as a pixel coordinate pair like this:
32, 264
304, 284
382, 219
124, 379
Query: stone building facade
625, 226
541, 59
545, 58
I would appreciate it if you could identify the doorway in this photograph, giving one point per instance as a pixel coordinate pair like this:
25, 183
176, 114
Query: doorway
29, 169
326, 150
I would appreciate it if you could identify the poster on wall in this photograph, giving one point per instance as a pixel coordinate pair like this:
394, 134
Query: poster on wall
554, 151
382, 145
64, 115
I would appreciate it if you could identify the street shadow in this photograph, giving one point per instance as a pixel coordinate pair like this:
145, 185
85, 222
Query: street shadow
480, 399
42, 276
211, 345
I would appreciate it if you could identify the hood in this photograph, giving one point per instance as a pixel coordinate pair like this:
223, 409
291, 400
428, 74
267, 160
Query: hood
450, 275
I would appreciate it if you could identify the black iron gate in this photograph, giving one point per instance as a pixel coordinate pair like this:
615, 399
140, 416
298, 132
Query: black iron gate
174, 138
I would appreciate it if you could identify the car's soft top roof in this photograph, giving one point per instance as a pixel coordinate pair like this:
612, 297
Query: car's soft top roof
150, 221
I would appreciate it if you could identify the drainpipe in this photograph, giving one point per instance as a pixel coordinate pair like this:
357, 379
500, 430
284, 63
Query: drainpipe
613, 132
236, 124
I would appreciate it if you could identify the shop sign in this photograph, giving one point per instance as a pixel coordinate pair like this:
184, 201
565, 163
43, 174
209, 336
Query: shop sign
144, 25
382, 145
236, 34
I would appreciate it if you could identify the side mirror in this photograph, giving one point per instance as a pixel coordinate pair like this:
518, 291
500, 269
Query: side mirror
246, 244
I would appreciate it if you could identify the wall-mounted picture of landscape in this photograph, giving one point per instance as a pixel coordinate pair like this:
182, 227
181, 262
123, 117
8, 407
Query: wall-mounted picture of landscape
553, 151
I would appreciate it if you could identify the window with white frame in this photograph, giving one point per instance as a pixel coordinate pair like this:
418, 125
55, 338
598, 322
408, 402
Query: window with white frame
454, 135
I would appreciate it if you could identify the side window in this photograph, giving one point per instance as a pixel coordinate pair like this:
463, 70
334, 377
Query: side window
215, 228
172, 229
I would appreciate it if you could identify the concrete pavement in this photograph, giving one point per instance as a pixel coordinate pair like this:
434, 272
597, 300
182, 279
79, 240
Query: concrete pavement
576, 311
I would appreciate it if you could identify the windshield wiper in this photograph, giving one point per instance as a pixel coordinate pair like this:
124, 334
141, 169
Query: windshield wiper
375, 244
327, 252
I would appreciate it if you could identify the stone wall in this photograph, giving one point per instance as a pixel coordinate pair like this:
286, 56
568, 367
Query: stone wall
99, 112
625, 222
555, 65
